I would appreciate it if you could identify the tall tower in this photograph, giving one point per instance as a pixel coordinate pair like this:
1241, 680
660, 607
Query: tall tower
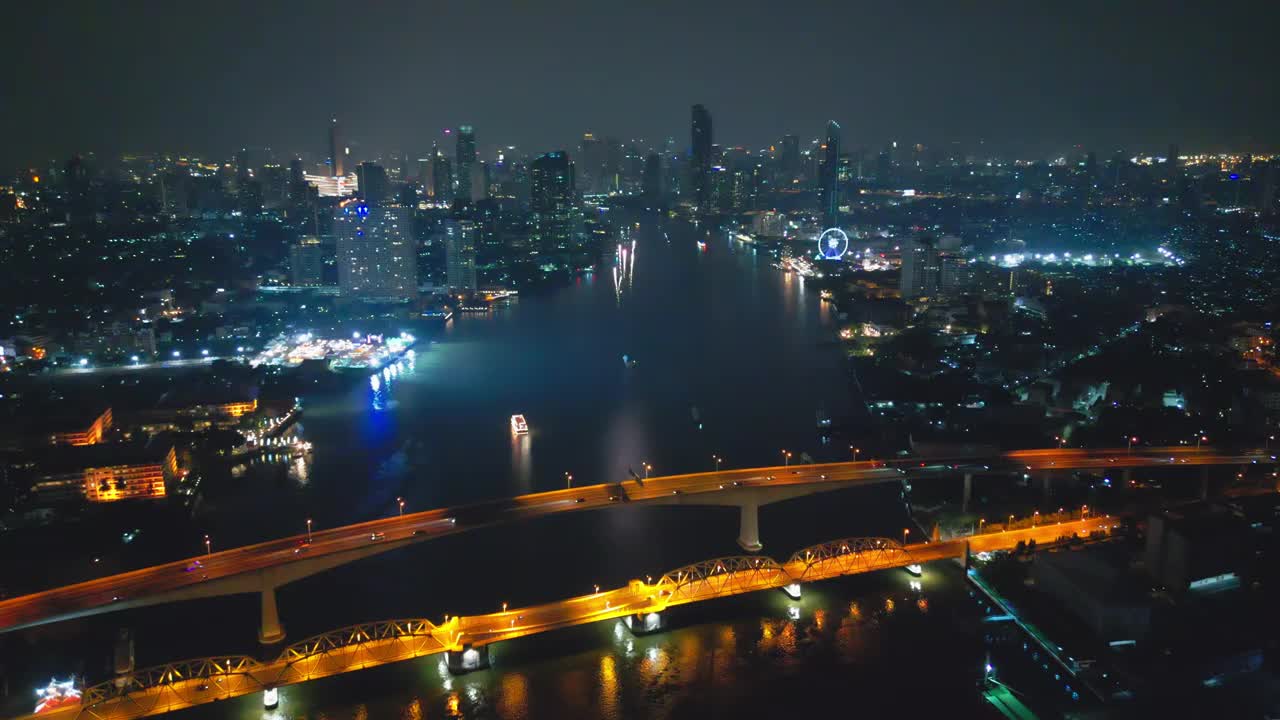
466, 157
337, 151
377, 258
700, 154
460, 255
553, 201
829, 187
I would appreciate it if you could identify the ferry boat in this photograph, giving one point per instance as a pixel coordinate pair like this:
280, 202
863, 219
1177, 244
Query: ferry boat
518, 425
57, 695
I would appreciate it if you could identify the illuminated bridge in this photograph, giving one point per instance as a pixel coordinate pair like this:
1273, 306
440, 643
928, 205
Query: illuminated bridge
464, 641
263, 567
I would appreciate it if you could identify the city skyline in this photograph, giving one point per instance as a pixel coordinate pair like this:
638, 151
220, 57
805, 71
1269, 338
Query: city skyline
1147, 75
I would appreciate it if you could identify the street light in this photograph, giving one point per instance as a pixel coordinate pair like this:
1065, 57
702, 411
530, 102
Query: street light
786, 458
717, 459
855, 452
1010, 523
647, 468
905, 533
568, 480
208, 546
400, 502
504, 607
1200, 439
308, 531
1035, 516
981, 522
1132, 440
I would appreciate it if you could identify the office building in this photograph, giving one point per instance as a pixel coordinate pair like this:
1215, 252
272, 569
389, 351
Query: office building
700, 155
442, 179
377, 258
652, 178
466, 161
460, 255
829, 181
553, 201
921, 268
373, 183
306, 261
789, 161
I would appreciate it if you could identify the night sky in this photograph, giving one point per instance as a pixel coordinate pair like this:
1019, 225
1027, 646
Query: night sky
108, 77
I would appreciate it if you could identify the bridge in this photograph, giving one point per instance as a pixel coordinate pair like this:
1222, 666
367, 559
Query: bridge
264, 567
464, 641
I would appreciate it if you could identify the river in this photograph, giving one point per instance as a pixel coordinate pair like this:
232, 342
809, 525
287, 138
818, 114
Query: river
732, 359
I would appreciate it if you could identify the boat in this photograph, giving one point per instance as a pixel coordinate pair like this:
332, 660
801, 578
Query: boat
914, 569
628, 361
57, 695
518, 425
824, 420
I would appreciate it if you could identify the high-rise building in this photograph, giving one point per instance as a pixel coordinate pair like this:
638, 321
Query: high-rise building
590, 168
921, 268
466, 156
829, 185
460, 255
652, 181
441, 179
700, 155
553, 200
790, 160
306, 261
337, 151
377, 257
371, 180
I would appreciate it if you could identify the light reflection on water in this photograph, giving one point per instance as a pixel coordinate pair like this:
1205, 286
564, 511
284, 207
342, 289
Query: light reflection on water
724, 662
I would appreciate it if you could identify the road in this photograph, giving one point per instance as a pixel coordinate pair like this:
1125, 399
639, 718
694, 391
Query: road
70, 600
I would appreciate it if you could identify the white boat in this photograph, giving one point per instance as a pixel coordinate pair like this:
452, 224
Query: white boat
518, 425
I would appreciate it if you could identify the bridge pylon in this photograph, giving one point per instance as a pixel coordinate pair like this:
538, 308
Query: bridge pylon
271, 630
749, 525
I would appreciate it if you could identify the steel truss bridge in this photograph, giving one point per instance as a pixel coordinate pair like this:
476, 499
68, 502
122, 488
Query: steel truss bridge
188, 683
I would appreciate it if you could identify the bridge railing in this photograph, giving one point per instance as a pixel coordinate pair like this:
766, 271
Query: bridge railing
720, 577
847, 555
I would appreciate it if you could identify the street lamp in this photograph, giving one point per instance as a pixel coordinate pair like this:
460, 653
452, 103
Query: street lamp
208, 546
717, 460
786, 458
1132, 440
981, 522
647, 468
1010, 523
568, 480
855, 452
905, 533
400, 502
1200, 439
308, 531
504, 607
1035, 516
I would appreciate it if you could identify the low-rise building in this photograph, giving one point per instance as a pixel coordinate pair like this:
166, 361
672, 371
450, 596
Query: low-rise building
97, 474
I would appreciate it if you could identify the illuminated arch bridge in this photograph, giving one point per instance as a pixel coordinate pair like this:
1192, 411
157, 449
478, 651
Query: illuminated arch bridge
187, 683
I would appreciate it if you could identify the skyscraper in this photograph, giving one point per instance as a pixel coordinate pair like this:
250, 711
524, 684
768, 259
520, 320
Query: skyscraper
372, 183
700, 155
652, 180
460, 255
466, 156
377, 258
921, 268
337, 151
829, 185
790, 160
553, 201
441, 179
306, 261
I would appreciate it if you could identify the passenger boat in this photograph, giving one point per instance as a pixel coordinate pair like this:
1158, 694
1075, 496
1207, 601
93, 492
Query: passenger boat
518, 425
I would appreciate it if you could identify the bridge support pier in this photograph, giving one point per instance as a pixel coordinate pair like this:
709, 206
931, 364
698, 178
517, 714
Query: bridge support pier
749, 526
792, 590
646, 623
123, 658
968, 492
468, 659
1204, 482
271, 631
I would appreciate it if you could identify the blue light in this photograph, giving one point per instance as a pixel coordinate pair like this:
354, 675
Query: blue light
1235, 176
362, 210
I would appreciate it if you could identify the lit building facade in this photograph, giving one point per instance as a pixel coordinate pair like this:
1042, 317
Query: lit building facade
460, 255
103, 473
306, 261
553, 199
377, 257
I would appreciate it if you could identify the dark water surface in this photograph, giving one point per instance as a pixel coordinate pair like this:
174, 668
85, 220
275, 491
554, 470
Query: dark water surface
733, 358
